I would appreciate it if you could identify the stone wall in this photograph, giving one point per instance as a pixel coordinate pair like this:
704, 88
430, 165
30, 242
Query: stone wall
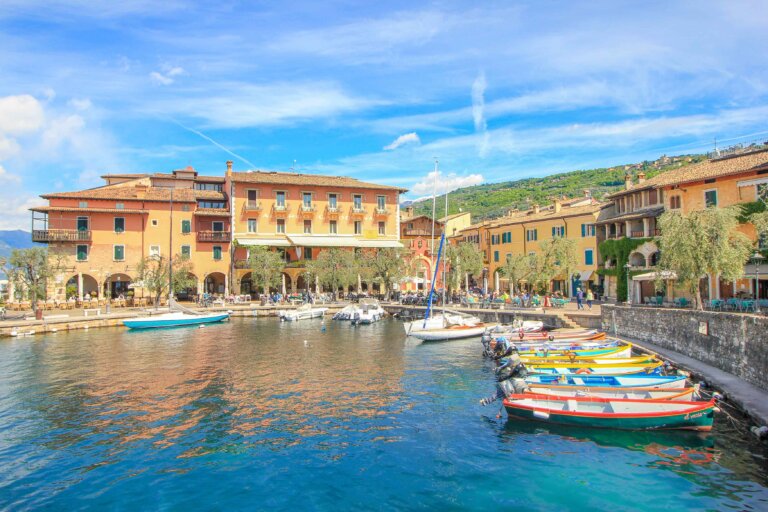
735, 343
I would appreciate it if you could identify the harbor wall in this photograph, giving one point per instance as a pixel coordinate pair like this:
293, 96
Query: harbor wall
734, 343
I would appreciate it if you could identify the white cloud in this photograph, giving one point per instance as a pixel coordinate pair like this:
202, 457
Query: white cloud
408, 138
5, 176
167, 75
8, 147
20, 115
62, 130
80, 103
478, 113
444, 183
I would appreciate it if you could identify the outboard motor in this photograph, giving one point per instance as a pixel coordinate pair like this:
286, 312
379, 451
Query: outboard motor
503, 350
510, 379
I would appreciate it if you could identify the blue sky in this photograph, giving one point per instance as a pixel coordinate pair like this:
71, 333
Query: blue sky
374, 90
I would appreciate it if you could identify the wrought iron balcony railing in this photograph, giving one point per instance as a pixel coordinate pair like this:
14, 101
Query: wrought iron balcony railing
61, 235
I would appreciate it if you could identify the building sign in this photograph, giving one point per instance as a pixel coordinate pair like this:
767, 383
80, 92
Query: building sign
704, 328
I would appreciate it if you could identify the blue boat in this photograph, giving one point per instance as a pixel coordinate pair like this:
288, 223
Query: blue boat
629, 381
173, 320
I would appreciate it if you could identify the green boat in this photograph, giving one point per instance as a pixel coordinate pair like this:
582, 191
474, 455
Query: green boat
624, 414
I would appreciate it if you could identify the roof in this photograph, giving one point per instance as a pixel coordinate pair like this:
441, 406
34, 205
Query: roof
453, 216
212, 212
204, 179
210, 195
290, 178
47, 209
411, 219
122, 192
547, 214
637, 214
716, 168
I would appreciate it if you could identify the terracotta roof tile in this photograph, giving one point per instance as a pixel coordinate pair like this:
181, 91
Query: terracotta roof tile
210, 194
546, 214
289, 178
48, 209
639, 214
212, 212
122, 192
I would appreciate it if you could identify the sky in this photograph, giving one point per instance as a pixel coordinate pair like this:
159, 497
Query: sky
494, 91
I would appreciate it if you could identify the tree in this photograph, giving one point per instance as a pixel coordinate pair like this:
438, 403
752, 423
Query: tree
31, 269
266, 267
463, 260
152, 272
334, 268
566, 260
387, 266
703, 242
365, 267
760, 221
517, 268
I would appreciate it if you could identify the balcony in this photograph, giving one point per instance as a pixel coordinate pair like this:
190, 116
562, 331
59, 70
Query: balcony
382, 212
61, 235
280, 209
213, 236
252, 206
357, 211
332, 211
307, 210
419, 232
638, 234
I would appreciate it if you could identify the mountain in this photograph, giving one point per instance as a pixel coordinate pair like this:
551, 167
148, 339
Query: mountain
492, 200
16, 239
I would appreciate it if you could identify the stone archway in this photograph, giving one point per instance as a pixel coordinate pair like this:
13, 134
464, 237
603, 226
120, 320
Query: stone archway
81, 285
215, 283
117, 285
189, 293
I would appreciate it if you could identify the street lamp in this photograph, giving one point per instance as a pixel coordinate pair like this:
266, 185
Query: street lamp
629, 291
757, 257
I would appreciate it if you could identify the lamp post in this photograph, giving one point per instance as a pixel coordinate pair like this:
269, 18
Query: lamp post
629, 290
757, 257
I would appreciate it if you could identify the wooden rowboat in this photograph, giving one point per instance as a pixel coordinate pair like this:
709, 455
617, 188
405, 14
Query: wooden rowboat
595, 381
585, 362
577, 369
612, 413
679, 394
578, 355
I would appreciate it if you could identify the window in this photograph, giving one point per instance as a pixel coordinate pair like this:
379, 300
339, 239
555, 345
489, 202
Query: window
253, 198
186, 226
217, 252
82, 204
382, 228
509, 256
495, 256
280, 226
587, 230
280, 199
211, 204
506, 238
218, 225
307, 253
82, 223
154, 251
118, 252
531, 235
332, 228
381, 202
307, 199
186, 251
332, 201
119, 224
674, 202
653, 196
710, 198
558, 231
494, 239
82, 253
251, 225
308, 227
154, 222
185, 207
209, 186
119, 206
358, 227
589, 258
357, 201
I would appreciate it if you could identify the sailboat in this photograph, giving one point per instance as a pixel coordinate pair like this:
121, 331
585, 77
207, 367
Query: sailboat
179, 315
447, 325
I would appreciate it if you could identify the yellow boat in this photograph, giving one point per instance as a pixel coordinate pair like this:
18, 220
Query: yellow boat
577, 353
586, 361
595, 367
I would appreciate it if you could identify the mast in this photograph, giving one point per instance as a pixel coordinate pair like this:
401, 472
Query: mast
170, 256
432, 247
445, 260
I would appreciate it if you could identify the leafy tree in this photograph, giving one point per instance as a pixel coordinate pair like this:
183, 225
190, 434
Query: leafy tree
463, 260
366, 268
152, 272
700, 243
760, 221
266, 267
566, 259
31, 269
388, 266
518, 267
334, 268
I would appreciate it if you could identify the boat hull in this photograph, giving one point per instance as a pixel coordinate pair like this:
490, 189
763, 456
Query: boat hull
596, 381
451, 333
688, 416
677, 394
160, 323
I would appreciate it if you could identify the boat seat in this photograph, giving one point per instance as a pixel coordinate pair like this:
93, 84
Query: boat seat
571, 405
578, 381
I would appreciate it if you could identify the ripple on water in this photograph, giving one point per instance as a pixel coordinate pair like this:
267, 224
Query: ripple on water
246, 414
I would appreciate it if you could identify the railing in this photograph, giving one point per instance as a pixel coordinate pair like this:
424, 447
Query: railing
213, 236
307, 208
280, 208
252, 206
382, 211
358, 211
638, 234
418, 232
61, 235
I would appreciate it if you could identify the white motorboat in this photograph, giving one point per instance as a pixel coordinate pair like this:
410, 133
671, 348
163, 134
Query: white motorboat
174, 319
367, 312
448, 325
346, 312
303, 312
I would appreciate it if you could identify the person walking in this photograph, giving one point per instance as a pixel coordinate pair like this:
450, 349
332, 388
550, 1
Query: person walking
590, 298
579, 299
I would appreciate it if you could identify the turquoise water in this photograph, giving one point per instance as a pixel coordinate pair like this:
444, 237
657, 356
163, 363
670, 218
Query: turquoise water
247, 415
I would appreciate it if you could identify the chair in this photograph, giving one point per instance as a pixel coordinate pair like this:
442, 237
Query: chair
716, 304
732, 304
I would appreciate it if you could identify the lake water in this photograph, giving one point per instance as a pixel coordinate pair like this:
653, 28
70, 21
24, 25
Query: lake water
249, 415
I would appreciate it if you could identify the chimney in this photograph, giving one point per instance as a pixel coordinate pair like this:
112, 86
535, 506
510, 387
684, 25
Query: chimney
587, 193
627, 181
141, 191
558, 205
229, 167
640, 177
536, 208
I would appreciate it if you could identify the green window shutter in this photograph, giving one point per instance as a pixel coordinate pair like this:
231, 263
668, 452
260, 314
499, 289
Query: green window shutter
186, 226
119, 252
217, 252
185, 251
588, 257
583, 230
82, 252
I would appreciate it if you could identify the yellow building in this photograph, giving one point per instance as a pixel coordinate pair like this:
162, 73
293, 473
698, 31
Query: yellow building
521, 232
